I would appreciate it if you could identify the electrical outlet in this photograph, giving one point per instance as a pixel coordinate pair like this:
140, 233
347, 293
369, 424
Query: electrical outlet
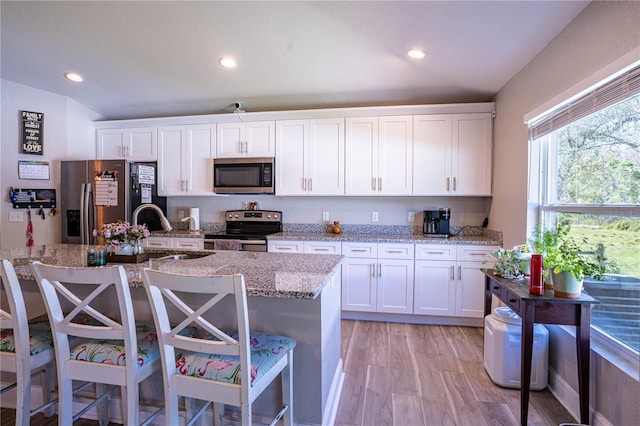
325, 216
16, 217
411, 217
180, 214
374, 216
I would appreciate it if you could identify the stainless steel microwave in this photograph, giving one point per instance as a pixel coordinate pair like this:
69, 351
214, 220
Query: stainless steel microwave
244, 175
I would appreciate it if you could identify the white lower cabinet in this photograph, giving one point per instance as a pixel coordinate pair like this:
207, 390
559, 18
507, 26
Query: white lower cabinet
176, 243
377, 277
449, 280
316, 247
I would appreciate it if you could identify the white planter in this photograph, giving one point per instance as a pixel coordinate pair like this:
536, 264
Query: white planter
566, 285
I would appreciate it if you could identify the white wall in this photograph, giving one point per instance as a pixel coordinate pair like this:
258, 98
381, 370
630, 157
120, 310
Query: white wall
603, 33
68, 133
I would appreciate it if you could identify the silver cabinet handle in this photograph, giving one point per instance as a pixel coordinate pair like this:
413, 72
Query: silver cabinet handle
379, 269
454, 183
379, 184
453, 276
373, 270
447, 184
435, 252
459, 273
373, 184
358, 250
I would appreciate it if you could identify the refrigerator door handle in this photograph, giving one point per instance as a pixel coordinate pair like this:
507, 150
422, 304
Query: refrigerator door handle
85, 204
83, 213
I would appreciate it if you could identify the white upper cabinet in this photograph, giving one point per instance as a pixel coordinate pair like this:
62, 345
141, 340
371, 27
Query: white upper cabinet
310, 157
452, 154
471, 162
378, 156
185, 159
136, 144
250, 139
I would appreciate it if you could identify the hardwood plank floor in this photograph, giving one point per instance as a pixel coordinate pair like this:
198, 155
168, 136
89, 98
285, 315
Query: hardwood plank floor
410, 375
407, 374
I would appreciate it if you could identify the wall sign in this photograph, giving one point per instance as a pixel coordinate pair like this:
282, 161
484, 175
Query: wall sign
32, 132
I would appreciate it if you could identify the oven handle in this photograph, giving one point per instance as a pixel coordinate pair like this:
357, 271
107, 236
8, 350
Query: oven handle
254, 242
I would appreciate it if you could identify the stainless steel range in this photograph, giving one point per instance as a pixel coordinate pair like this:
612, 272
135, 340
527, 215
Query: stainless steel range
246, 230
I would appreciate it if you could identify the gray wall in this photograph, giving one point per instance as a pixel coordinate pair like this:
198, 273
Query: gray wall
602, 34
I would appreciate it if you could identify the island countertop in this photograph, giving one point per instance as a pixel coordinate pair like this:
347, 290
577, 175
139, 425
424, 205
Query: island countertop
283, 275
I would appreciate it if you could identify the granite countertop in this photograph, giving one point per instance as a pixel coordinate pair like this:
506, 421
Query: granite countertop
491, 240
283, 275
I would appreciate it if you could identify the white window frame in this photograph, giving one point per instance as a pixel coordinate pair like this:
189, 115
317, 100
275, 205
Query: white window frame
616, 352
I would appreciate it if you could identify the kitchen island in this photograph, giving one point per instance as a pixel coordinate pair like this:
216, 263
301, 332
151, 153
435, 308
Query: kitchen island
296, 295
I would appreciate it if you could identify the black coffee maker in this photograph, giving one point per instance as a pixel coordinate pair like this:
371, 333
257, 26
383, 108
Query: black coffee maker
436, 222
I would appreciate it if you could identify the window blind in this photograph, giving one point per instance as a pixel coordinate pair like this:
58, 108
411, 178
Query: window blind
616, 90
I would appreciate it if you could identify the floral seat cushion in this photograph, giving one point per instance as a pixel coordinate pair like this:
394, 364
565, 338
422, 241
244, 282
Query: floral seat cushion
40, 338
266, 350
112, 351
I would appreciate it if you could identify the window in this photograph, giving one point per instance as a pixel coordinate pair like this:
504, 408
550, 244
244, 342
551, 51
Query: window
585, 172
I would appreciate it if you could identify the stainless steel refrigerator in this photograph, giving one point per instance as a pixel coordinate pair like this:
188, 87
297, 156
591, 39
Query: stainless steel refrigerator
95, 192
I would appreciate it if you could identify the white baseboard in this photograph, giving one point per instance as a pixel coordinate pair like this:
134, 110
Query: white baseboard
570, 399
333, 400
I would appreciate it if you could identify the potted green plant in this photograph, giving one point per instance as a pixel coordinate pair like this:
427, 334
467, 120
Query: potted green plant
569, 264
523, 254
545, 242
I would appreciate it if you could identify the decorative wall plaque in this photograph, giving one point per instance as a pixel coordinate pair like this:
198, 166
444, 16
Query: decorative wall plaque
32, 132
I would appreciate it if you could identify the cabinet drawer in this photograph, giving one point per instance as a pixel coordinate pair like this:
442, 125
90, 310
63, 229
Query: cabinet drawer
286, 246
395, 251
323, 247
188, 243
476, 253
435, 252
157, 242
350, 249
512, 301
497, 289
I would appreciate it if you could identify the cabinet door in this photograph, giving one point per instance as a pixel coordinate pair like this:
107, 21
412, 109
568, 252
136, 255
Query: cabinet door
395, 286
470, 290
110, 144
432, 154
361, 156
142, 144
471, 162
250, 139
292, 157
285, 246
199, 152
326, 157
434, 288
395, 155
230, 140
261, 139
171, 160
359, 284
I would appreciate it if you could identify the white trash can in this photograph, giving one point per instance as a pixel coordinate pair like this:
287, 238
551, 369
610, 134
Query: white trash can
502, 349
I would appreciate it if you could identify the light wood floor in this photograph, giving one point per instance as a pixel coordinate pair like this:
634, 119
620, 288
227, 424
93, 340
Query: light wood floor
406, 374
410, 375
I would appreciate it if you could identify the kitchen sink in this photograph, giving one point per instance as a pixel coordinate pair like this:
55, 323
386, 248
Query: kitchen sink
182, 256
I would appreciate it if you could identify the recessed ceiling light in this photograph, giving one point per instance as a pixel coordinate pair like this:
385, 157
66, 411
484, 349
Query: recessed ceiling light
75, 77
228, 62
416, 53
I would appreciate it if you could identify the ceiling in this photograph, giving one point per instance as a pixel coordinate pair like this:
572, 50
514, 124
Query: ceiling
160, 58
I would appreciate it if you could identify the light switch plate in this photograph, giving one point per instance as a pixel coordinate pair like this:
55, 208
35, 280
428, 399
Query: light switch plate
16, 216
374, 216
411, 217
325, 216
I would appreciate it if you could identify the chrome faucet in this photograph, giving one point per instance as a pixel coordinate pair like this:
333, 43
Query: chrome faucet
163, 220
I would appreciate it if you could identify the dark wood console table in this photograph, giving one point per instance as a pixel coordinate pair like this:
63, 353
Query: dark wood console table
545, 309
